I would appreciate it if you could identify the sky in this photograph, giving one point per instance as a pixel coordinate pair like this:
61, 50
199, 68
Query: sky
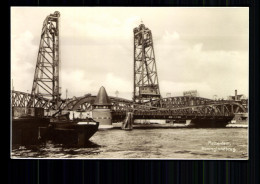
203, 49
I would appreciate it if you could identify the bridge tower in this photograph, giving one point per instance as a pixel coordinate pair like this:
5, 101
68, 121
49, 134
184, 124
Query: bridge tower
46, 76
102, 109
146, 84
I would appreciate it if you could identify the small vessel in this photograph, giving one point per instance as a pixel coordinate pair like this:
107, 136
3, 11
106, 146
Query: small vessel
69, 132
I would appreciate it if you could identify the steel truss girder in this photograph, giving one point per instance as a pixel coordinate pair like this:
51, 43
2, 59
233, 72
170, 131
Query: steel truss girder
121, 106
206, 108
179, 101
21, 99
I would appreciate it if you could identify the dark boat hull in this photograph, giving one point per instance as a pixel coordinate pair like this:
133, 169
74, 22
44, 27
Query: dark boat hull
25, 130
210, 122
69, 133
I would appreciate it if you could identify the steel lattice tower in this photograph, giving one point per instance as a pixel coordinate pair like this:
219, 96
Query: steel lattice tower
146, 85
46, 76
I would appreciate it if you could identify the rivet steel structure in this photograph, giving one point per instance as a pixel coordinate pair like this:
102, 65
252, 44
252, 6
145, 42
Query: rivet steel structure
146, 85
46, 76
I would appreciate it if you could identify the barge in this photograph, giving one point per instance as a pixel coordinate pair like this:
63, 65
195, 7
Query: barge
30, 127
69, 132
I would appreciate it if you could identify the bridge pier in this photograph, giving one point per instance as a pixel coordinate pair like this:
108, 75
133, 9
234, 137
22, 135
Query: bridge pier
188, 122
102, 110
128, 121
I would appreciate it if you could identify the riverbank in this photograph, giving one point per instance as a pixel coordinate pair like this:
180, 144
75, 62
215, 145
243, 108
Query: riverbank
168, 125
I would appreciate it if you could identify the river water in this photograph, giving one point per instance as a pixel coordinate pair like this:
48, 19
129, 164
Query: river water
159, 143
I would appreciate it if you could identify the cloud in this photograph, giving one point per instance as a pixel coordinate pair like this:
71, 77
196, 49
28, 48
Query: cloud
114, 82
170, 37
206, 71
75, 82
22, 55
177, 88
102, 29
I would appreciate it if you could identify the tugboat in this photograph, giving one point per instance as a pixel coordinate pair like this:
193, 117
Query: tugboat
69, 132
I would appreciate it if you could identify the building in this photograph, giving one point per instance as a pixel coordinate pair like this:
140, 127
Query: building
191, 93
237, 97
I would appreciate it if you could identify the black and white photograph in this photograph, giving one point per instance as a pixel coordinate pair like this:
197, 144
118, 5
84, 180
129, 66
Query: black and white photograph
129, 83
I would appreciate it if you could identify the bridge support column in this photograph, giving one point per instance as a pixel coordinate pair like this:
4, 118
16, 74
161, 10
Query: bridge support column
128, 121
188, 122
